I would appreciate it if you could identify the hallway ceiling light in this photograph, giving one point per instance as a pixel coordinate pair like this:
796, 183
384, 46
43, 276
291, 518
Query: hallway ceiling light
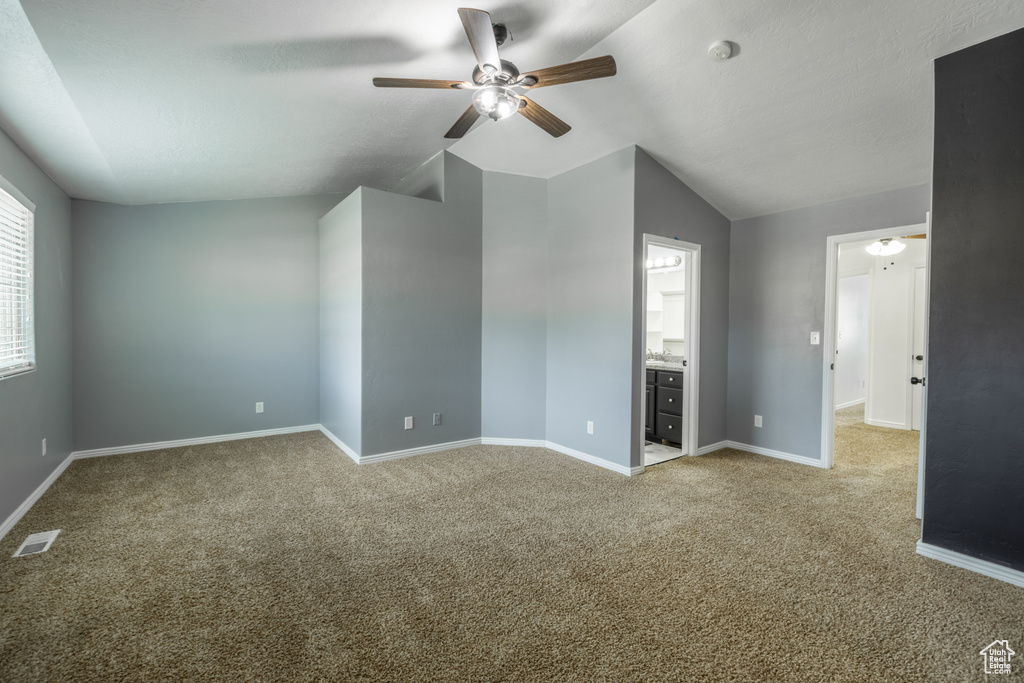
886, 247
666, 262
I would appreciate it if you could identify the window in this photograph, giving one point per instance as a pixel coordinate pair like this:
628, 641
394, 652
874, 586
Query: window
17, 322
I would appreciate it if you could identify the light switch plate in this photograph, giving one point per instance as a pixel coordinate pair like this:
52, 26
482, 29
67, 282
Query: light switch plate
815, 338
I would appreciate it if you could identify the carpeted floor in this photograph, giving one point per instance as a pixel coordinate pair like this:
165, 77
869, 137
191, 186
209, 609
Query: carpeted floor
279, 559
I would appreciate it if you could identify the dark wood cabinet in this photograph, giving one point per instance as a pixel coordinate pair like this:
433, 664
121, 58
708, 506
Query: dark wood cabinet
664, 414
652, 410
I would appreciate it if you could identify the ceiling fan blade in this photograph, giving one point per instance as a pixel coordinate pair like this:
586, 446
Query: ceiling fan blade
464, 123
553, 125
480, 32
422, 83
922, 236
598, 67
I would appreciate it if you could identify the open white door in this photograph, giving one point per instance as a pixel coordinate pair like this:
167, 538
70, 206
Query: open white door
917, 348
922, 411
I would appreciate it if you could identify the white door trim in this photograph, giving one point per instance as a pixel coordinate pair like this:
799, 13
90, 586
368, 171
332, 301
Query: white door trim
828, 426
692, 344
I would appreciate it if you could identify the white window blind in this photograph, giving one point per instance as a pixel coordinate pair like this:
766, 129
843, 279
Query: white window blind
17, 319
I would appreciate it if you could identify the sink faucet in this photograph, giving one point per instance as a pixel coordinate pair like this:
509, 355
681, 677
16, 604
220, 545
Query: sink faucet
650, 355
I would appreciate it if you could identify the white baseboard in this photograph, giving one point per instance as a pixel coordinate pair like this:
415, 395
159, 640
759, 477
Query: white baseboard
527, 443
340, 444
991, 569
178, 443
16, 516
886, 424
593, 459
712, 447
850, 404
803, 460
422, 450
565, 450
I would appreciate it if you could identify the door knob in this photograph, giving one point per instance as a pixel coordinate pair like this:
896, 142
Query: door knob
915, 380
671, 400
918, 357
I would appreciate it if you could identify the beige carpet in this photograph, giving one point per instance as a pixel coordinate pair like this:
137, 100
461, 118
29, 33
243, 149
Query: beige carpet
279, 559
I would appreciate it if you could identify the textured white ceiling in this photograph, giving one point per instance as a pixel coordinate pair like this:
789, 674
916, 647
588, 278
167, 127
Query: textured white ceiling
825, 100
182, 100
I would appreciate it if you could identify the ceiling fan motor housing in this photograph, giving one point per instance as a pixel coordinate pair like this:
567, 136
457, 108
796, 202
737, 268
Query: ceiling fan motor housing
509, 72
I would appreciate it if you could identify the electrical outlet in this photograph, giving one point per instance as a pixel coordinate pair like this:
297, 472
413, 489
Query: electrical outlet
590, 427
408, 423
44, 446
757, 420
259, 407
437, 419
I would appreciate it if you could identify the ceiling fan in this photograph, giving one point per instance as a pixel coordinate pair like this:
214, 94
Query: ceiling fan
496, 80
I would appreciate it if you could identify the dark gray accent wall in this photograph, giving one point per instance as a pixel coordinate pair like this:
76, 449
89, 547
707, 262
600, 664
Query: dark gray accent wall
186, 315
37, 405
514, 322
590, 353
422, 313
974, 473
776, 298
665, 206
341, 320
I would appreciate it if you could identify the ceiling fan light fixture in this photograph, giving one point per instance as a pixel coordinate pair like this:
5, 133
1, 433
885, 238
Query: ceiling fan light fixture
885, 247
496, 102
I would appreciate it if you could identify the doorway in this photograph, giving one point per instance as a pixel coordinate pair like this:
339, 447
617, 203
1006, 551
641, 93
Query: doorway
670, 322
875, 347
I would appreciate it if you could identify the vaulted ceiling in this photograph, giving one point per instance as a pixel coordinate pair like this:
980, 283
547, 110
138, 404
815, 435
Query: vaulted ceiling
186, 100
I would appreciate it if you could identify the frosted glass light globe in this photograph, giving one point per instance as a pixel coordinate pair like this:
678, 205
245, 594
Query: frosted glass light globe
496, 101
886, 247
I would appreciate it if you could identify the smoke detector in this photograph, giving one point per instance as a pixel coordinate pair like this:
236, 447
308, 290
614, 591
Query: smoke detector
720, 50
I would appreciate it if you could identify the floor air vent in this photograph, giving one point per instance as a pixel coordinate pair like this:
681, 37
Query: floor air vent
37, 543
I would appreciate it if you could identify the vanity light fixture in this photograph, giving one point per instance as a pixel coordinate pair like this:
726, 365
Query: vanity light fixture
886, 247
664, 262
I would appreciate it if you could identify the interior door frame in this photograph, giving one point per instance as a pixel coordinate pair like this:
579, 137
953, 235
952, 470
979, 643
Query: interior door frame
828, 425
692, 344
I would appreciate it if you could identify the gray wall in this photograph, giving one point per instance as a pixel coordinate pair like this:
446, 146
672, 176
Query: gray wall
422, 313
186, 315
665, 206
514, 323
776, 298
974, 476
37, 405
426, 182
590, 354
341, 320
